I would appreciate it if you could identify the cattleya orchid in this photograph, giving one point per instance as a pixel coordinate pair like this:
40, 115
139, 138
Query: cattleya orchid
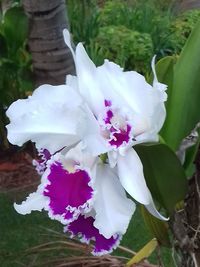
100, 110
78, 189
126, 111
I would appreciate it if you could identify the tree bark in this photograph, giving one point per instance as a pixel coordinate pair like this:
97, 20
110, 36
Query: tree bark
52, 59
189, 4
5, 5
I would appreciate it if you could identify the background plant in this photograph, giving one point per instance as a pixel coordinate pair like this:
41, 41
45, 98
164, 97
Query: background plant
130, 32
15, 62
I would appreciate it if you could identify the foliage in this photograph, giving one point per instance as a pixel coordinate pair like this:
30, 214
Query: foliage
141, 16
184, 93
111, 13
84, 20
164, 174
151, 22
97, 27
134, 51
182, 26
15, 64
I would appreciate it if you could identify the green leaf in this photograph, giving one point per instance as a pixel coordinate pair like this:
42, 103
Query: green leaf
8, 82
164, 174
15, 27
3, 46
143, 253
183, 102
158, 228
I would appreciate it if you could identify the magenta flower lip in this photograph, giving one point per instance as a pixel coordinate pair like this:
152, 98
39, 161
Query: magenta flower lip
68, 193
84, 228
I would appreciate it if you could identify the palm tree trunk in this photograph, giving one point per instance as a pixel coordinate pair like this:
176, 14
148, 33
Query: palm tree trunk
5, 5
52, 60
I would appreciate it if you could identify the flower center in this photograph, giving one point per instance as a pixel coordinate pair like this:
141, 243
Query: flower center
115, 127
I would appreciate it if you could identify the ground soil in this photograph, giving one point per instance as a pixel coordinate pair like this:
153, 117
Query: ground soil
16, 170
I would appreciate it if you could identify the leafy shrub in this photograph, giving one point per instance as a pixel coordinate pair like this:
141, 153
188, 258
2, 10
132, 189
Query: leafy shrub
141, 16
84, 20
128, 48
105, 30
91, 23
112, 13
182, 26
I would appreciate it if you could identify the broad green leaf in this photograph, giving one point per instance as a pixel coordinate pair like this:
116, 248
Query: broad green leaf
144, 253
15, 27
164, 174
158, 228
183, 102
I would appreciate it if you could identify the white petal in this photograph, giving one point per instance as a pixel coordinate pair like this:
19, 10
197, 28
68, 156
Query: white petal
35, 201
155, 80
112, 158
145, 101
152, 209
113, 209
89, 85
76, 155
130, 86
158, 117
61, 94
52, 118
72, 81
86, 74
67, 40
159, 86
93, 142
130, 171
95, 145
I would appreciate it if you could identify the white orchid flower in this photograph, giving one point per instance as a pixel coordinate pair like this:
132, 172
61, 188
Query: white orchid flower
66, 187
127, 111
53, 117
101, 110
86, 195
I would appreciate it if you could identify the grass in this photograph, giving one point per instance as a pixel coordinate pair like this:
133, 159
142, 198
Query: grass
19, 233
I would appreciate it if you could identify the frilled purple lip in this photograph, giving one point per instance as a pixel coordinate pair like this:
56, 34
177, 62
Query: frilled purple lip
117, 136
121, 136
84, 228
69, 193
